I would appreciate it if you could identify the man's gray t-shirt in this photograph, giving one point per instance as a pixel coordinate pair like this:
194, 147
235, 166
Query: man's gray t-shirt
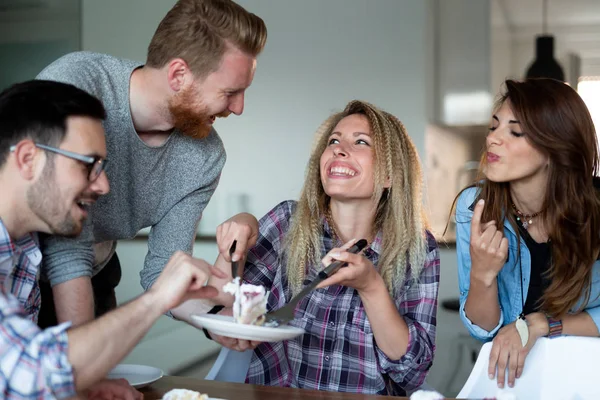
165, 187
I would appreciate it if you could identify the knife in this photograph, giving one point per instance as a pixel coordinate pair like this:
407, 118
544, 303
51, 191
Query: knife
286, 313
234, 264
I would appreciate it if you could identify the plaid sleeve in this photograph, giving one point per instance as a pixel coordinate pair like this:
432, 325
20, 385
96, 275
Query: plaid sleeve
418, 305
33, 363
264, 259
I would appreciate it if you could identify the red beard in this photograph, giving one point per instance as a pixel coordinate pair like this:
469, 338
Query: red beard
190, 116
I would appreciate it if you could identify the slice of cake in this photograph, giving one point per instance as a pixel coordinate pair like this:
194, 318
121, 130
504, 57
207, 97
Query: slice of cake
250, 305
184, 394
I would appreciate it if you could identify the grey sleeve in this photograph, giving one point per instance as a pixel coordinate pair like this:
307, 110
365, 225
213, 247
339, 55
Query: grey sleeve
67, 69
177, 229
65, 259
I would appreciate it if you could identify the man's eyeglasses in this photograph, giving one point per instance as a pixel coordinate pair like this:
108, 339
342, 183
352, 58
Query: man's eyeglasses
94, 164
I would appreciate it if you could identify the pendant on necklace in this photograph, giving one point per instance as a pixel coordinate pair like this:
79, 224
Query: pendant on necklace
522, 329
525, 223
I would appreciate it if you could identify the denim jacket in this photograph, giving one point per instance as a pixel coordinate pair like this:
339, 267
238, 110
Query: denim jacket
509, 285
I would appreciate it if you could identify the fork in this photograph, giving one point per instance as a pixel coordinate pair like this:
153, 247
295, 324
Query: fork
285, 314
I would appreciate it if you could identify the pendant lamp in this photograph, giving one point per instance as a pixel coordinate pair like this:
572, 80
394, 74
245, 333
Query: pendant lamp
544, 65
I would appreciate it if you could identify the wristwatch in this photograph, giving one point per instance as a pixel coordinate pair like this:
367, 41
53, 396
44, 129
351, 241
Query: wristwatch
555, 327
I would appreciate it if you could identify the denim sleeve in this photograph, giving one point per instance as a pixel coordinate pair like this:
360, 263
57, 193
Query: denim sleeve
593, 305
463, 238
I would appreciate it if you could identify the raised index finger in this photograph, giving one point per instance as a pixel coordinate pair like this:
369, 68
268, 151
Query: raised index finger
476, 221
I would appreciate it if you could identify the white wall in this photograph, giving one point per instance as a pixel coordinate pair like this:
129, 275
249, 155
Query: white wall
319, 55
501, 49
34, 35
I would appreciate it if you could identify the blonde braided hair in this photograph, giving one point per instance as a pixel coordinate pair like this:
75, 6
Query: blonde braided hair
399, 214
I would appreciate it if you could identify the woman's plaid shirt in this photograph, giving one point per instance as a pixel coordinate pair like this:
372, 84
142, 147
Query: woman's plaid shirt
338, 352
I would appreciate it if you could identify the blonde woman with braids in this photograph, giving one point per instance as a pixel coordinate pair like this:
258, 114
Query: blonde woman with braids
370, 328
528, 232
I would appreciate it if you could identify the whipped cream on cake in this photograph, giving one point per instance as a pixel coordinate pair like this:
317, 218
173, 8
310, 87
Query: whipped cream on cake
184, 394
250, 305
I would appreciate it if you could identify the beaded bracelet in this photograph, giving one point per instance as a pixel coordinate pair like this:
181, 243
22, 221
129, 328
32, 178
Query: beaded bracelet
555, 327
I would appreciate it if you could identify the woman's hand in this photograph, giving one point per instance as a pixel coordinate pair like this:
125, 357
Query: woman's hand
233, 343
359, 274
489, 248
509, 354
241, 227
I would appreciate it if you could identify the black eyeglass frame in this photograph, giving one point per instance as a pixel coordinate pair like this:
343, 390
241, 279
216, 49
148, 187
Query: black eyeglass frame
94, 164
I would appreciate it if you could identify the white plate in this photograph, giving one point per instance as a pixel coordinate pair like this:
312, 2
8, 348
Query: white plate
138, 376
225, 326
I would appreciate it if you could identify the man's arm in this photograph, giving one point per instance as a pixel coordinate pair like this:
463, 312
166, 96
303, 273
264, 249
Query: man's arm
26, 351
176, 231
96, 347
67, 264
74, 301
60, 362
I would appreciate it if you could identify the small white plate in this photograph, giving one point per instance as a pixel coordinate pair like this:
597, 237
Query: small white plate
225, 326
138, 376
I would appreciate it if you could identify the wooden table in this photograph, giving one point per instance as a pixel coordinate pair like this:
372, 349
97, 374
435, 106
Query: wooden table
240, 391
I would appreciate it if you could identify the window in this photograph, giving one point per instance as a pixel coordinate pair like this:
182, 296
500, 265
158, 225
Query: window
589, 90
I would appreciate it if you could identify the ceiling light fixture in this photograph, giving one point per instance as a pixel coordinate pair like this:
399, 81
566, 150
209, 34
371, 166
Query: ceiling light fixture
544, 65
